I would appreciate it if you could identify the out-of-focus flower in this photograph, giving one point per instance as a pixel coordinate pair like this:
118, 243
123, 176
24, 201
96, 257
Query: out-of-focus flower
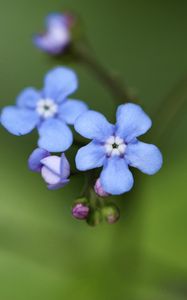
115, 147
99, 189
55, 170
49, 110
57, 36
80, 211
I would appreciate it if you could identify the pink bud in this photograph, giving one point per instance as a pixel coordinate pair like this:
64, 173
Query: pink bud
99, 189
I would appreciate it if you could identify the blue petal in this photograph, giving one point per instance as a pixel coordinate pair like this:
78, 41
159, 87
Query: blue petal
45, 43
131, 121
52, 164
34, 161
116, 178
28, 98
60, 83
65, 167
89, 157
71, 110
59, 185
55, 136
146, 157
54, 19
94, 125
19, 121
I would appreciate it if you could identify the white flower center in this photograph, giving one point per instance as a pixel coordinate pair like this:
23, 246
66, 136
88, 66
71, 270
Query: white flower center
46, 108
115, 146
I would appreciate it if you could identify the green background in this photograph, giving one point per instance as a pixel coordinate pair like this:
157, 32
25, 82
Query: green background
44, 253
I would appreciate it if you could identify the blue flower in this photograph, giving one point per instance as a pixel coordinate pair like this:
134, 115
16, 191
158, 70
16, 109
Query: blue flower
49, 110
57, 36
55, 170
115, 147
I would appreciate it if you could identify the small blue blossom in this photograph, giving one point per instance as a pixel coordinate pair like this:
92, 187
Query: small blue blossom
55, 170
49, 110
58, 34
116, 147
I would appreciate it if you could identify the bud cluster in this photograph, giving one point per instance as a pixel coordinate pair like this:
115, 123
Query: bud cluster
94, 215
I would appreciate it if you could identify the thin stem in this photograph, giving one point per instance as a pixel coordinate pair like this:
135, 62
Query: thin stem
169, 109
89, 179
119, 92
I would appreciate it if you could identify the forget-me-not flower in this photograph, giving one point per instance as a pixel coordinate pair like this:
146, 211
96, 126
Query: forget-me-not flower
55, 170
58, 34
49, 110
116, 147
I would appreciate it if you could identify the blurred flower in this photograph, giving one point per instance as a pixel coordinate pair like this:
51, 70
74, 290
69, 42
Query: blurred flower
54, 169
80, 211
58, 33
116, 147
49, 110
99, 189
111, 213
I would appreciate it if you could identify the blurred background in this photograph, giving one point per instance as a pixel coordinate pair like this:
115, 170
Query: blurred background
44, 253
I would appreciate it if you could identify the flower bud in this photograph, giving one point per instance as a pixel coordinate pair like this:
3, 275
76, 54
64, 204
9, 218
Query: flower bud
80, 211
111, 213
99, 189
58, 34
55, 170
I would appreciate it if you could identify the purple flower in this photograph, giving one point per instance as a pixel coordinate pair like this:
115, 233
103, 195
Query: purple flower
48, 109
58, 34
80, 211
115, 147
54, 169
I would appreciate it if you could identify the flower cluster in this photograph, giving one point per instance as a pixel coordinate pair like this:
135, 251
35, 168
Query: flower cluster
114, 148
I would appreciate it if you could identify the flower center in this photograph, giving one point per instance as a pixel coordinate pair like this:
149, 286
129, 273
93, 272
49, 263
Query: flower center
46, 108
115, 146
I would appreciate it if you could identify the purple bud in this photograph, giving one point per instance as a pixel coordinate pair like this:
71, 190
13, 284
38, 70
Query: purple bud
99, 189
80, 211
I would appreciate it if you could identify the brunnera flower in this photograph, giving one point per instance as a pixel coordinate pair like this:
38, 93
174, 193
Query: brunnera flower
49, 110
116, 147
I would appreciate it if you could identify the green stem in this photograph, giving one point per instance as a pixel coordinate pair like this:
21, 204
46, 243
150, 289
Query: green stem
118, 91
169, 110
89, 181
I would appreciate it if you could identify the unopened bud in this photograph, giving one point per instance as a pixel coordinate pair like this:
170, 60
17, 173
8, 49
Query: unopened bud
99, 189
80, 211
111, 213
